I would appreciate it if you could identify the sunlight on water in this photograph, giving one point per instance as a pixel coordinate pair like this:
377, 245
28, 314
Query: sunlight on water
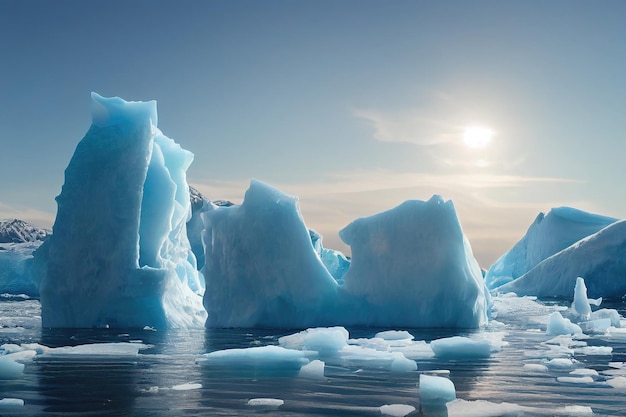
166, 379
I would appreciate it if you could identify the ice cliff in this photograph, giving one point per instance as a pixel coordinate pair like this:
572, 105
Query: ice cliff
598, 258
411, 266
119, 255
547, 235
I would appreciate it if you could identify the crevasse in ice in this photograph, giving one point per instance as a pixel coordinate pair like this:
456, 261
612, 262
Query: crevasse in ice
119, 255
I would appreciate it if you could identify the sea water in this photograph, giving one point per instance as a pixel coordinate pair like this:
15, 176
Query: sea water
167, 380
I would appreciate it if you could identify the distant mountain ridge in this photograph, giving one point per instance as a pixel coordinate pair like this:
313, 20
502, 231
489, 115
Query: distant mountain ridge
19, 231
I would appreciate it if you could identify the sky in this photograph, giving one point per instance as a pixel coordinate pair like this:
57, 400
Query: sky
353, 106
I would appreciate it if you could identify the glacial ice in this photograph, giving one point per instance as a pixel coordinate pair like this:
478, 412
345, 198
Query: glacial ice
597, 258
547, 235
411, 266
261, 269
119, 255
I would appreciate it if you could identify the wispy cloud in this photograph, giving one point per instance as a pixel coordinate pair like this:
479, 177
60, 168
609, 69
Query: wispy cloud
407, 127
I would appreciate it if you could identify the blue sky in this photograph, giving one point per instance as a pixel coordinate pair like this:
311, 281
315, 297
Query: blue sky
354, 106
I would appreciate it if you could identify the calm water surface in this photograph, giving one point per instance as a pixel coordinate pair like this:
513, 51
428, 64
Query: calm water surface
142, 385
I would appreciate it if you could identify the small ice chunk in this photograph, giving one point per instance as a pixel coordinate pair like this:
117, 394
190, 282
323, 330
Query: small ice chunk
324, 340
10, 369
394, 335
436, 389
11, 402
481, 408
584, 372
186, 387
312, 370
608, 313
557, 325
266, 402
581, 306
596, 326
535, 367
560, 363
396, 410
459, 347
575, 380
97, 349
594, 350
619, 382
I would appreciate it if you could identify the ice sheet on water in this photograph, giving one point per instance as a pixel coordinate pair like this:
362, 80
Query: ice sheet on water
187, 387
481, 408
114, 350
11, 402
266, 402
458, 347
582, 380
396, 410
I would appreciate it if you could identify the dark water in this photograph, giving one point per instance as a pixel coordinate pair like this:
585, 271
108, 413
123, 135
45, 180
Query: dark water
142, 385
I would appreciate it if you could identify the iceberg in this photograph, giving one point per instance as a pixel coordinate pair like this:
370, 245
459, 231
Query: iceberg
119, 255
261, 268
547, 235
597, 258
412, 266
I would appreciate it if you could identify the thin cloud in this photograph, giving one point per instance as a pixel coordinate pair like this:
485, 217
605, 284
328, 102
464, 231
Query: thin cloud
407, 127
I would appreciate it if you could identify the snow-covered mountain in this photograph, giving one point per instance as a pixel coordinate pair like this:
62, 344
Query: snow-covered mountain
19, 231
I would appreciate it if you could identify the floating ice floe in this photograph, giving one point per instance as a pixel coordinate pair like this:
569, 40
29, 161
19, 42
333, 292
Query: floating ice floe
396, 410
481, 408
11, 402
187, 387
458, 347
266, 402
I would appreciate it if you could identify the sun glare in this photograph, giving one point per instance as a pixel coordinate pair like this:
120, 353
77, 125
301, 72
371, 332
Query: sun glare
477, 136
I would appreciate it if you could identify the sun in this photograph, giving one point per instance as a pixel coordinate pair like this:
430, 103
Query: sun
477, 136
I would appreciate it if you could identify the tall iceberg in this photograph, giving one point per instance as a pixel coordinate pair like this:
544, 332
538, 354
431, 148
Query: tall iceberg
412, 266
547, 235
119, 255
